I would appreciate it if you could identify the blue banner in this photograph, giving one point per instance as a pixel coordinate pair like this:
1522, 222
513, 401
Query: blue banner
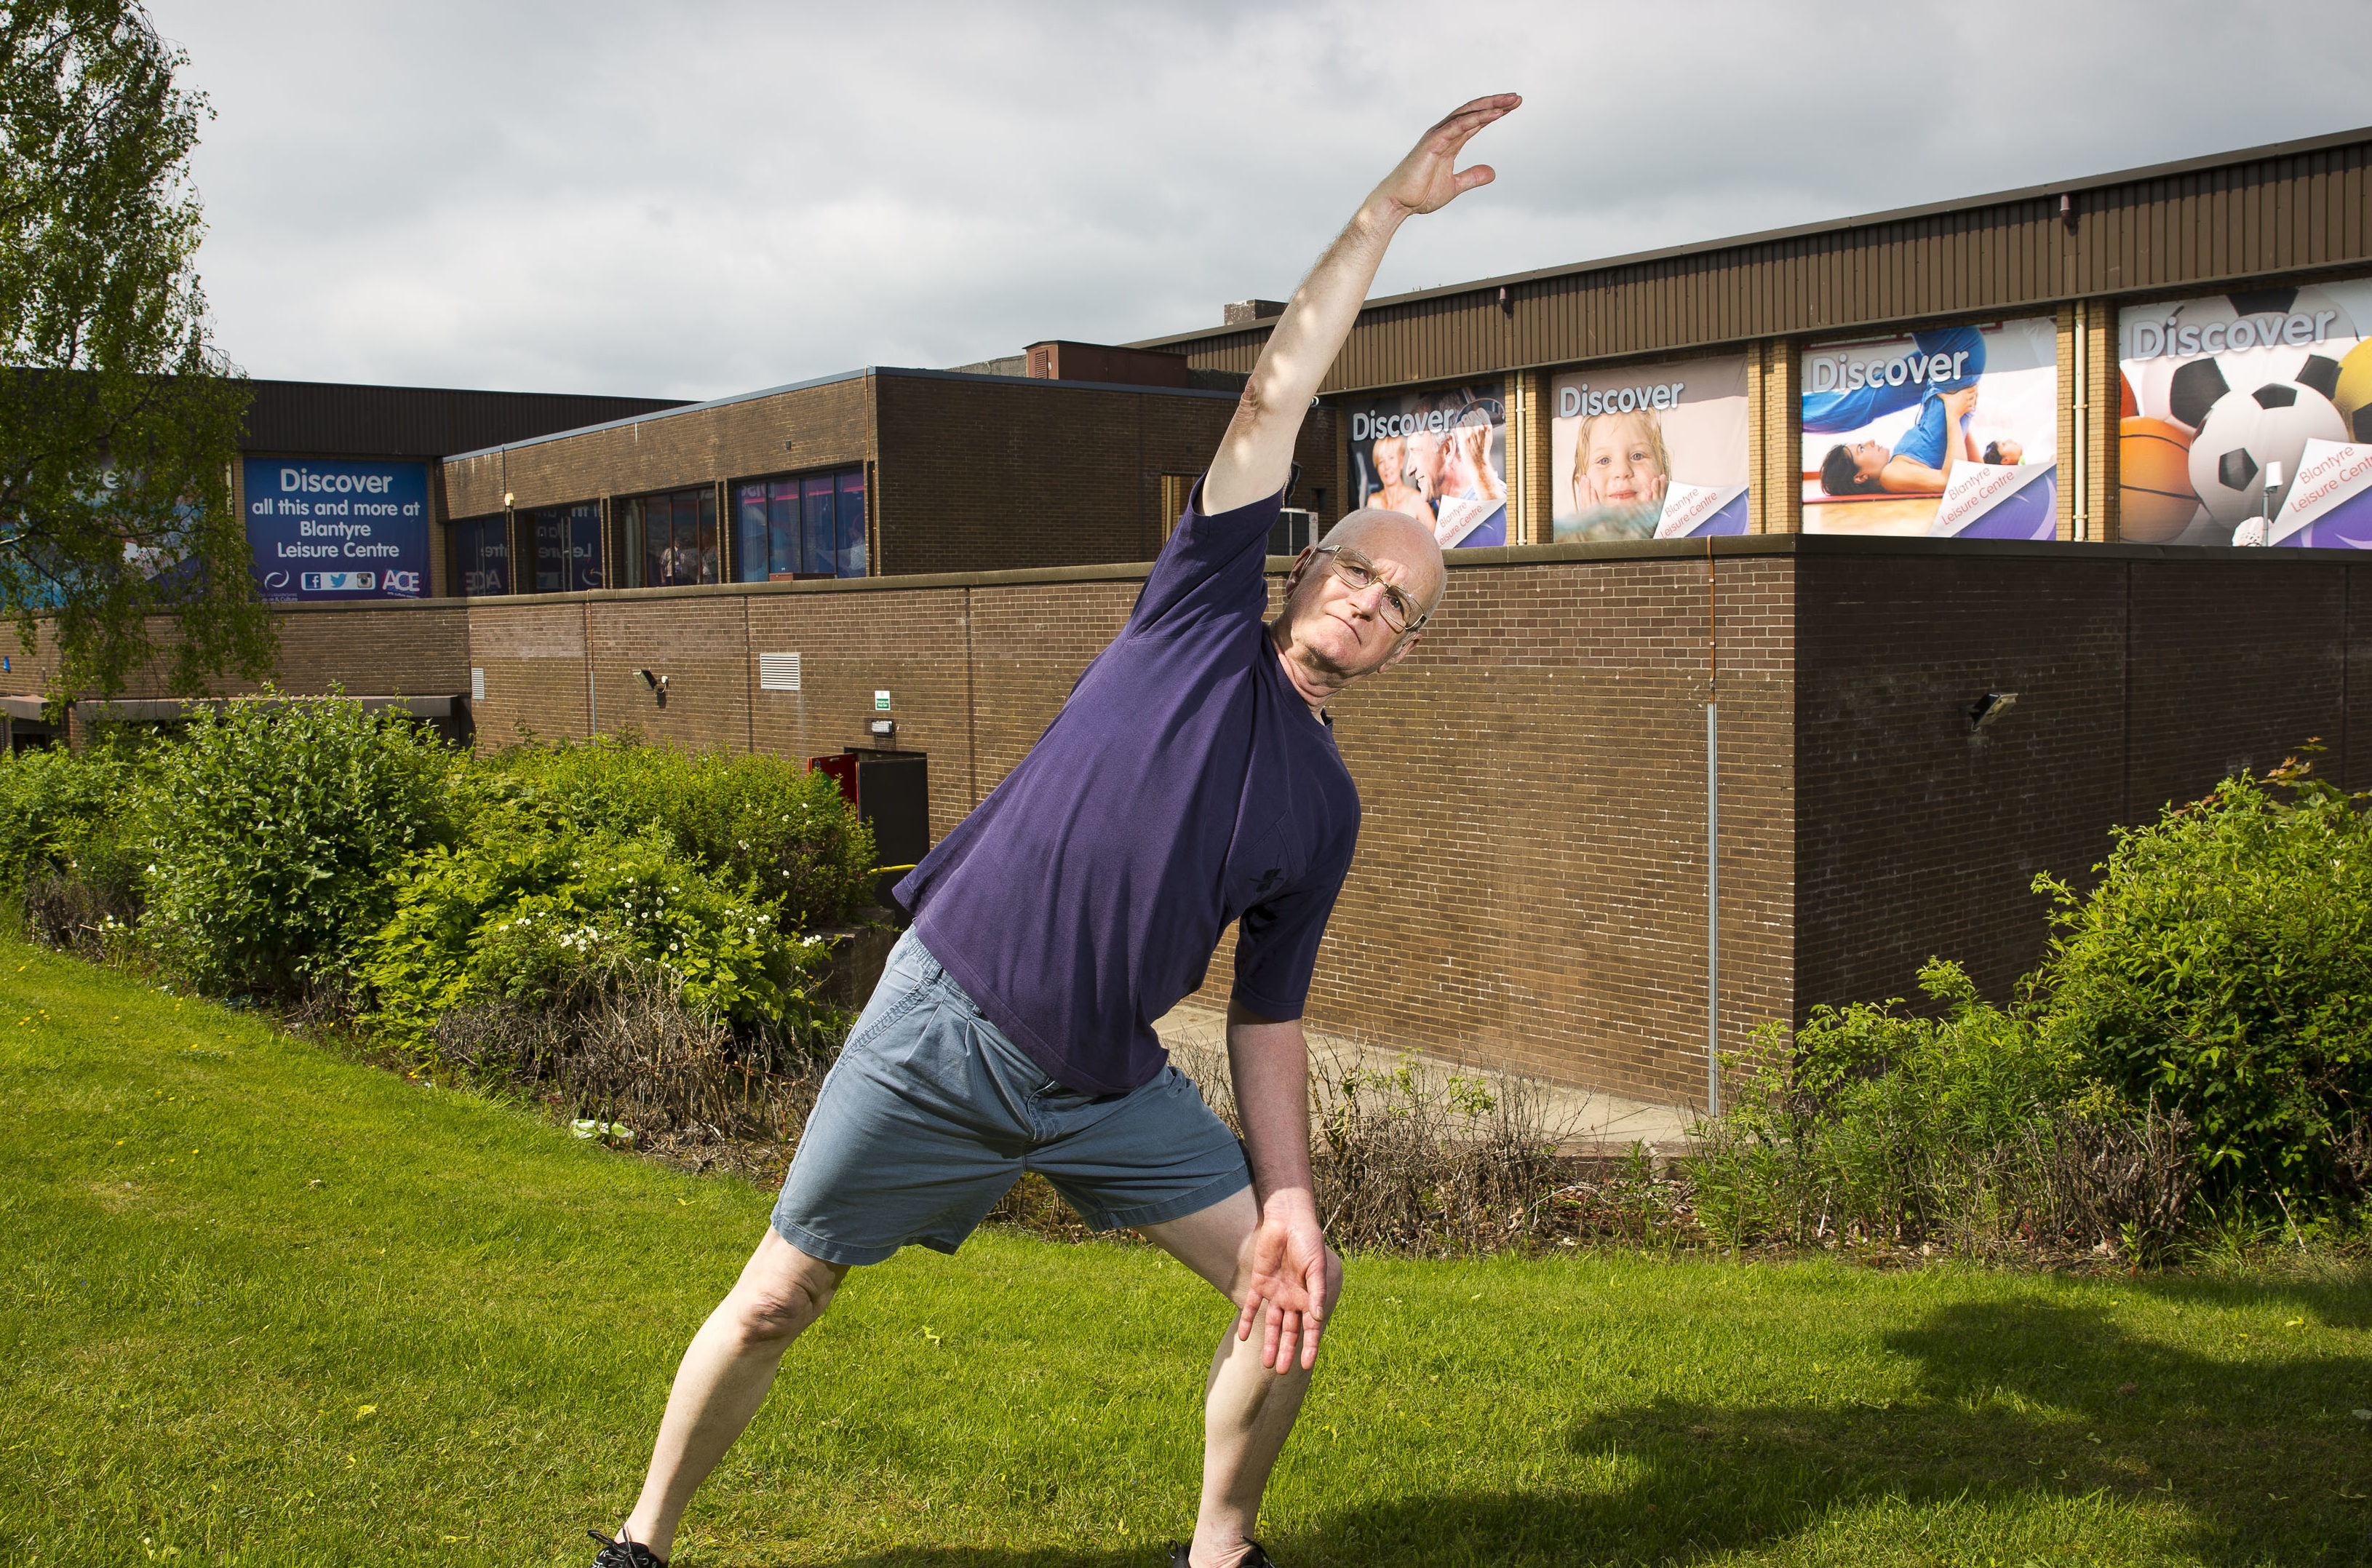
334, 528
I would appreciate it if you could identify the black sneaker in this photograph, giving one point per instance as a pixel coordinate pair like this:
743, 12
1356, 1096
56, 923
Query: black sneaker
1257, 1557
624, 1553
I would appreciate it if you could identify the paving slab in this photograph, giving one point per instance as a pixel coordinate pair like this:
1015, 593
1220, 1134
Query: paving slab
1583, 1121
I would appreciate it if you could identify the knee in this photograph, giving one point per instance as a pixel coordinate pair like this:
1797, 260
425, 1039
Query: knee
770, 1314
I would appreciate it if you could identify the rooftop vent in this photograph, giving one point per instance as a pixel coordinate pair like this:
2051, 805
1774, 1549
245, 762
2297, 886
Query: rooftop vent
1244, 312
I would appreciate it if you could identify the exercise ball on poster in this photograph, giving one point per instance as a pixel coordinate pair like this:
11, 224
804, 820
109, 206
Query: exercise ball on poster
2353, 393
2155, 500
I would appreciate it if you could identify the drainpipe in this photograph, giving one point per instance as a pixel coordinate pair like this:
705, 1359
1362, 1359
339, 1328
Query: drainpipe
1713, 848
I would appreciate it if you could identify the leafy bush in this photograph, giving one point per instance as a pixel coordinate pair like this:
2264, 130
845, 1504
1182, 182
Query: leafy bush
1873, 1122
763, 820
2224, 966
275, 827
531, 905
52, 800
73, 844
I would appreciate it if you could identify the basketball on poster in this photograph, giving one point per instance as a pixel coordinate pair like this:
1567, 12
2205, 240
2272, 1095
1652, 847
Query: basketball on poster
1649, 451
2221, 393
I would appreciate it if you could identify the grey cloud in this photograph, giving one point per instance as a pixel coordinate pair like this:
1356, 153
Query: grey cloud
701, 199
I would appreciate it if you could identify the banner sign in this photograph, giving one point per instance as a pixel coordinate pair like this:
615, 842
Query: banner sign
2326, 507
1649, 451
1441, 457
1890, 422
2219, 392
330, 529
1998, 501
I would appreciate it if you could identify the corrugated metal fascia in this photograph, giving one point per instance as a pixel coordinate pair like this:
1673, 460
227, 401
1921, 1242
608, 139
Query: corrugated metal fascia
2049, 192
413, 421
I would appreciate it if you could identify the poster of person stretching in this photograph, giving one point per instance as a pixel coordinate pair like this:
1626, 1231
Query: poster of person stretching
1440, 457
1950, 430
1649, 451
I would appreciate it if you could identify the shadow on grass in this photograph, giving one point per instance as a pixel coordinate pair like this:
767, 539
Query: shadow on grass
2016, 1405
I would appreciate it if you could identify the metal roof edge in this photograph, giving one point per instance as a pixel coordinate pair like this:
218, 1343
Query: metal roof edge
449, 391
1806, 230
900, 372
904, 373
663, 414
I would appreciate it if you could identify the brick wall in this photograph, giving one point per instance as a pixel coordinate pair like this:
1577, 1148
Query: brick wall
415, 648
1530, 885
1001, 475
908, 642
1916, 835
2143, 676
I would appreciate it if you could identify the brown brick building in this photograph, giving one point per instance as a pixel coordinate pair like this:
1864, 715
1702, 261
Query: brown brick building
1532, 884
921, 471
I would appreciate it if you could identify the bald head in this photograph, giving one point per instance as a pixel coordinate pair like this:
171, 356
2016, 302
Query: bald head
1383, 536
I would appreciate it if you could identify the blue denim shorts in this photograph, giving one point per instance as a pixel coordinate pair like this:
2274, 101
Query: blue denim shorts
931, 1113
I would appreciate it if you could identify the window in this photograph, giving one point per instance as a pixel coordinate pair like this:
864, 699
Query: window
800, 526
668, 540
1175, 489
482, 557
567, 548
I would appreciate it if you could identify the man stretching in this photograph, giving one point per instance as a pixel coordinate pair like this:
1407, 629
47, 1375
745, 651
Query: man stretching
1190, 782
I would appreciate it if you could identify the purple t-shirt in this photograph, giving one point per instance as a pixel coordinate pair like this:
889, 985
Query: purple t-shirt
1184, 785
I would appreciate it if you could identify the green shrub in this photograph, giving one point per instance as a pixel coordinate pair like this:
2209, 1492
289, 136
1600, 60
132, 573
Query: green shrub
529, 904
74, 844
1872, 1122
754, 819
276, 827
2224, 966
55, 802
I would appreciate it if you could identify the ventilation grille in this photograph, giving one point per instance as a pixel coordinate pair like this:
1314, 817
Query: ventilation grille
778, 672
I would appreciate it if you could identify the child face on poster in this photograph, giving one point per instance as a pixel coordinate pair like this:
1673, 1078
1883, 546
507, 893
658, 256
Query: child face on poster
1619, 460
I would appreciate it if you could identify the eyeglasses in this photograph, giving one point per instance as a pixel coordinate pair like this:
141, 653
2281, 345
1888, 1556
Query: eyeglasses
1400, 611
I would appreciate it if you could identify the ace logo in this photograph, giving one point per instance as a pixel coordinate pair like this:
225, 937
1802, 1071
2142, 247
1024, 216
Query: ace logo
399, 582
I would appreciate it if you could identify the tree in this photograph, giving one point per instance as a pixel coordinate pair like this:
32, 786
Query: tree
119, 418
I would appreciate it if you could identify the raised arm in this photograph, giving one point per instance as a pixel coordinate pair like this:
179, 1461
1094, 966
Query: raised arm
1256, 453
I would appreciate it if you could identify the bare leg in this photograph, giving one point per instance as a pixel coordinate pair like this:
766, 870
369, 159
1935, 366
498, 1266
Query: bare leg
1248, 1411
725, 1374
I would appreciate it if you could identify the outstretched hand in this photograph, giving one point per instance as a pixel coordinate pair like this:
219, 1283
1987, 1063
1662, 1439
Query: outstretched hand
1429, 178
1285, 1295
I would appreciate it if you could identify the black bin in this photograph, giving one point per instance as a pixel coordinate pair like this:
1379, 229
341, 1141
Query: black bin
891, 792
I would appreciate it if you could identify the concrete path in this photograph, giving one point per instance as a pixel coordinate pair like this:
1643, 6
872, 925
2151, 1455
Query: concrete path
1583, 1120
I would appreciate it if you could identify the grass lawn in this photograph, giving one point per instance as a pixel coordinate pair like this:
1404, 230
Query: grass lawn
262, 1306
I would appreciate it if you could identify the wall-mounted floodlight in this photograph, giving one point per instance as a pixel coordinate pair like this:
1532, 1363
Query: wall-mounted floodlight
885, 731
1989, 707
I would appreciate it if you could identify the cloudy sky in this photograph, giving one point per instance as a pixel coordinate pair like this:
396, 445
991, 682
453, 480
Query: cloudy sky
689, 199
